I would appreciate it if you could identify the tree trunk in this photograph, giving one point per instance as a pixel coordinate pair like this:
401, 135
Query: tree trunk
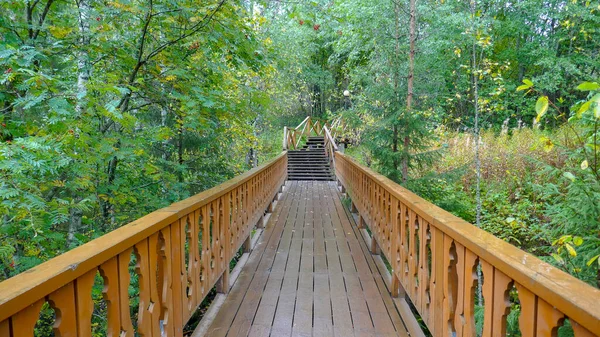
411, 75
475, 83
83, 77
395, 65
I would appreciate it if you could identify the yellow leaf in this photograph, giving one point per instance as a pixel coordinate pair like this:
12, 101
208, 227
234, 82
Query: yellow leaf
59, 32
571, 250
584, 164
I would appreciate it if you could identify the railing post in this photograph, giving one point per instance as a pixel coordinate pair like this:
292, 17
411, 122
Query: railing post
261, 222
361, 222
374, 246
285, 136
223, 282
353, 207
247, 245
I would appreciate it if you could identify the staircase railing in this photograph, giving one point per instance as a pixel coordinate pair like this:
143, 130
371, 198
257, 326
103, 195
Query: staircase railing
435, 258
293, 136
180, 253
330, 146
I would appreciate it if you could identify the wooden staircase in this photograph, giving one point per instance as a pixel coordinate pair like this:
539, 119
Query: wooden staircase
310, 162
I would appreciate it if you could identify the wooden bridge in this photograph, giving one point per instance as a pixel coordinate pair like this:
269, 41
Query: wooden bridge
387, 263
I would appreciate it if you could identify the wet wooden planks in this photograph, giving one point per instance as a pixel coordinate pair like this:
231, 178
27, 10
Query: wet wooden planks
310, 275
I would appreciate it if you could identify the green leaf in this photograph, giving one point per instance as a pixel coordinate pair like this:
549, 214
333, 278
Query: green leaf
541, 106
528, 82
588, 86
584, 107
569, 176
558, 258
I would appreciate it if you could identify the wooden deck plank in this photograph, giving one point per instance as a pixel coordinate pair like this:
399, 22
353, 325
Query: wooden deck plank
310, 275
284, 315
266, 246
367, 270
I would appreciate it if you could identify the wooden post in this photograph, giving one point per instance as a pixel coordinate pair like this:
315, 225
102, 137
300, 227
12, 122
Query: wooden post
223, 282
247, 245
261, 222
270, 207
396, 290
343, 189
353, 208
374, 246
361, 222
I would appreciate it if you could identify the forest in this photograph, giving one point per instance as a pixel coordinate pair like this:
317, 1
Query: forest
113, 109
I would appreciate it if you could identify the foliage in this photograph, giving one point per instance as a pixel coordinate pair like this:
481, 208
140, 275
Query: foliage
112, 110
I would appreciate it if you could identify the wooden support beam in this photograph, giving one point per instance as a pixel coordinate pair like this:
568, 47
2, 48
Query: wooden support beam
223, 282
247, 245
396, 288
374, 246
353, 208
361, 221
270, 207
261, 222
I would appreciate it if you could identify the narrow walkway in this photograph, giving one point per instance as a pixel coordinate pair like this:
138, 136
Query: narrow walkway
310, 275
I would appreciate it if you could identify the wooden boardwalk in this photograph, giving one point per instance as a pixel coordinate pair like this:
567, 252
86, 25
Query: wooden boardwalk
311, 274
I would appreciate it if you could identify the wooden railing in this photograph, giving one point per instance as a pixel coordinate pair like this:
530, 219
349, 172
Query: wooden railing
180, 253
293, 136
435, 258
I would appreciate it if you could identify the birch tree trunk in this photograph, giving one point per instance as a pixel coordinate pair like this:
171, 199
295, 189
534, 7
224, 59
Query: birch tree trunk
476, 134
83, 77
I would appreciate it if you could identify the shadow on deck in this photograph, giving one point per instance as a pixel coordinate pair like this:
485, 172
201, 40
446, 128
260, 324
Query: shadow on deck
310, 274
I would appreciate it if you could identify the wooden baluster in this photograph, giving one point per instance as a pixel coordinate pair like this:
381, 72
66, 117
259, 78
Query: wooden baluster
186, 232
224, 281
502, 286
155, 246
166, 277
527, 319
109, 271
5, 328
177, 273
197, 262
403, 245
470, 293
437, 281
450, 286
206, 251
488, 296
580, 331
142, 269
395, 257
424, 285
84, 302
412, 256
460, 295
63, 303
548, 319
124, 280
214, 249
24, 321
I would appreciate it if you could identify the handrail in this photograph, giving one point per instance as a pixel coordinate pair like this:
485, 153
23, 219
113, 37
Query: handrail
435, 256
293, 136
330, 146
181, 252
